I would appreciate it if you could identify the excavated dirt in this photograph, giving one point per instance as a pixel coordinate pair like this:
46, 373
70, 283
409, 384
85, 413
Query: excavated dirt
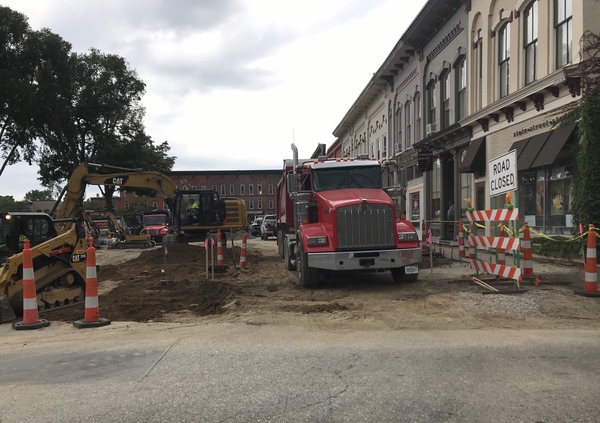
147, 286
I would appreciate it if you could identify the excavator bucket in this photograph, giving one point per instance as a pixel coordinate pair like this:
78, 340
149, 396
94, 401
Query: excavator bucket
6, 312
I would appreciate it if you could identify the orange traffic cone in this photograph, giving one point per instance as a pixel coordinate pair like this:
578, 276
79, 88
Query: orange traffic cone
527, 255
30, 311
461, 240
243, 253
220, 261
590, 283
91, 317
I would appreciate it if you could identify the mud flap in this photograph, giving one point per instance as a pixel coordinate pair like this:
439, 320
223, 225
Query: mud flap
6, 311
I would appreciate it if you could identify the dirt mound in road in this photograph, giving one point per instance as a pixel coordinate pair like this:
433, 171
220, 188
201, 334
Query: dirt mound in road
144, 291
134, 287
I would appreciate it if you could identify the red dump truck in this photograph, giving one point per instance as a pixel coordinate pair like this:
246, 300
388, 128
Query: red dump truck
334, 215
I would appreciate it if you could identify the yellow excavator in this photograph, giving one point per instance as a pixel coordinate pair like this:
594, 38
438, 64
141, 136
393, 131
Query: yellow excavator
59, 246
120, 237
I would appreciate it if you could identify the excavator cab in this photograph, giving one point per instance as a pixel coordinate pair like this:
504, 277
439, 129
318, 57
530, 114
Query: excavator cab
15, 228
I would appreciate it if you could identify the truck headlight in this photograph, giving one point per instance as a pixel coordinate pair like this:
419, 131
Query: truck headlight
317, 240
407, 236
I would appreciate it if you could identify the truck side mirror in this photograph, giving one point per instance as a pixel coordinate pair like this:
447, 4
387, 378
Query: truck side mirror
293, 182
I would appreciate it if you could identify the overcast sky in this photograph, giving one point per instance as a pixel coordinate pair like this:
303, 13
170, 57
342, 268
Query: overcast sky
231, 83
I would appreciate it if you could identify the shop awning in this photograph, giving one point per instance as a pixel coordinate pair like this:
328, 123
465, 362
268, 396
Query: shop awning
519, 146
531, 150
553, 145
475, 158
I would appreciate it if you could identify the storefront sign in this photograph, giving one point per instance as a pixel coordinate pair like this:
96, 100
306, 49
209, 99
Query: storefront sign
425, 161
502, 173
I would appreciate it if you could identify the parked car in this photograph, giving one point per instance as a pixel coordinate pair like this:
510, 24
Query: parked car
268, 226
255, 226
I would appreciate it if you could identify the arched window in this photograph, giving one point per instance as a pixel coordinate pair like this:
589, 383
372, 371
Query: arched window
431, 105
445, 100
563, 26
531, 40
504, 58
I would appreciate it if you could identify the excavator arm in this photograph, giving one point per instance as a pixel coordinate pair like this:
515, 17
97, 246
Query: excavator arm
81, 177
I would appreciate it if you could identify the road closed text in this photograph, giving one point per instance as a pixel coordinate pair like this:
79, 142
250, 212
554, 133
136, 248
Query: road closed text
503, 174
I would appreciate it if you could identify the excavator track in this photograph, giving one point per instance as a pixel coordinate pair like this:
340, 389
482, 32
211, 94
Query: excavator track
125, 245
56, 295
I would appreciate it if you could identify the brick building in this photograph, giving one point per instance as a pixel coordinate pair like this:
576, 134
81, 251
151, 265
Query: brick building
255, 187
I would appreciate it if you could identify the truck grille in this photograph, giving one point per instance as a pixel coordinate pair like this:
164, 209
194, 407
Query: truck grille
371, 226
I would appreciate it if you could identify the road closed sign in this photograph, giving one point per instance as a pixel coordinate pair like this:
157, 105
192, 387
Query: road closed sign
502, 173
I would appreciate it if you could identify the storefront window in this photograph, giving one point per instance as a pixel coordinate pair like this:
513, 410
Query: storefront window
415, 207
546, 197
436, 184
466, 184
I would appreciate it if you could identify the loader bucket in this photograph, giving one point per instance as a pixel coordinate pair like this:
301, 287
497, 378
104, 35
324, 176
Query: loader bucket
6, 312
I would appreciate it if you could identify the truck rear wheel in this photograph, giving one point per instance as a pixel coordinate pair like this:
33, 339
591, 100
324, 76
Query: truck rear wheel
307, 277
399, 275
289, 263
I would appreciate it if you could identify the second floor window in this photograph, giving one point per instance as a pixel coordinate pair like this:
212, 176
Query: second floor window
461, 89
504, 58
270, 189
407, 122
531, 39
222, 189
231, 189
398, 140
259, 188
445, 97
563, 25
431, 102
418, 113
250, 189
242, 189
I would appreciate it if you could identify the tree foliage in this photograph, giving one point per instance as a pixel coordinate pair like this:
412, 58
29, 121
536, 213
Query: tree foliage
586, 201
39, 195
81, 107
16, 89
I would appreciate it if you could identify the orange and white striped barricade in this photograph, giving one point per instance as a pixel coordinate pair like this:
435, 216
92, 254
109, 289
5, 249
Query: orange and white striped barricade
510, 272
423, 236
501, 250
527, 252
91, 318
461, 240
30, 307
590, 283
243, 252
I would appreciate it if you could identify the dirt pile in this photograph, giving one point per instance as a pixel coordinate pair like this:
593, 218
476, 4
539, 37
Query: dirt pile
154, 284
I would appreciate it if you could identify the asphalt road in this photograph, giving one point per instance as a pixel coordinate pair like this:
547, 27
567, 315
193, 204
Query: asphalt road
248, 373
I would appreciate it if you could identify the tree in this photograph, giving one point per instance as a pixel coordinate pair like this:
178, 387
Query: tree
8, 204
39, 195
586, 202
15, 89
103, 122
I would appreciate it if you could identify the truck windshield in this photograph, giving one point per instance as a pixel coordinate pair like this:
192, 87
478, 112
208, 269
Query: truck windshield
157, 219
350, 177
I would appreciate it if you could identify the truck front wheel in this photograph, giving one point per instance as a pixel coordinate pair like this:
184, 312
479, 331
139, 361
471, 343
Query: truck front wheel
399, 275
307, 277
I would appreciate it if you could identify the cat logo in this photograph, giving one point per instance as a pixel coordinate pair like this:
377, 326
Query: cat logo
117, 180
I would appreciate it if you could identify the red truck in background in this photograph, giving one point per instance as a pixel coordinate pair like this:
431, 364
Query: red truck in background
334, 215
